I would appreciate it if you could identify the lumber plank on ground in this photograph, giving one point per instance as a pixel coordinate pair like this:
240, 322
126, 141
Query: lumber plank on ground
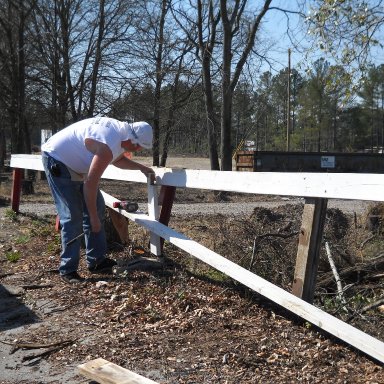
105, 372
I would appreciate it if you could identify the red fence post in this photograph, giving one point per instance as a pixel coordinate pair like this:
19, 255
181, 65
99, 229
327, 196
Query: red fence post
57, 224
16, 189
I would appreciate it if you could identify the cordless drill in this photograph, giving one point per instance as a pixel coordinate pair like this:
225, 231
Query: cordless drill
126, 205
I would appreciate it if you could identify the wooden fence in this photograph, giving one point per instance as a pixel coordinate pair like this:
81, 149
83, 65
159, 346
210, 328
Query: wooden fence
316, 188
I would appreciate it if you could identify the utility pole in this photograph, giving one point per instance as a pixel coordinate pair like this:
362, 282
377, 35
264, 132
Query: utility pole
289, 101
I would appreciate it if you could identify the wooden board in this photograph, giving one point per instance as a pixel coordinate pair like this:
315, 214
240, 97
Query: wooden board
325, 185
343, 331
308, 251
27, 162
105, 372
120, 223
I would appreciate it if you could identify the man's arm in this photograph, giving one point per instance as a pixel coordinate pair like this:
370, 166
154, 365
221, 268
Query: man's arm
101, 159
125, 163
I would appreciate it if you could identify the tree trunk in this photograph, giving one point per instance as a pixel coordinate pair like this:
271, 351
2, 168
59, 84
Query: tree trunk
226, 117
230, 17
159, 80
23, 136
2, 148
64, 16
170, 122
98, 58
206, 49
227, 95
211, 119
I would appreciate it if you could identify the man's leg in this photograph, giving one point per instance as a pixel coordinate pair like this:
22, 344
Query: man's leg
96, 243
69, 205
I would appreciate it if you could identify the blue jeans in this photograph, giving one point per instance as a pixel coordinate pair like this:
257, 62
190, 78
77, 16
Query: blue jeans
74, 218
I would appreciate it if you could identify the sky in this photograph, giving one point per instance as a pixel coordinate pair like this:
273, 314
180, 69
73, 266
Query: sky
275, 29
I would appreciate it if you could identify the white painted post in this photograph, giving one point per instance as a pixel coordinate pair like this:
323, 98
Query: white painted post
153, 213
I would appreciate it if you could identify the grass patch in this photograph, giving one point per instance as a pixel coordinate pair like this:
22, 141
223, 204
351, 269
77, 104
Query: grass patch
13, 256
22, 239
11, 214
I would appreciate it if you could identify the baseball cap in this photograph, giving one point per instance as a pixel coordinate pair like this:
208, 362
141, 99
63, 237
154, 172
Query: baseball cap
141, 133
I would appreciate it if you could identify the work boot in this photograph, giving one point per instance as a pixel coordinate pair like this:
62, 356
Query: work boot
104, 266
72, 278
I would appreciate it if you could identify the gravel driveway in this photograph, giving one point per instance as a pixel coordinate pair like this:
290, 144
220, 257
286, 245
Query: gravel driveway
224, 208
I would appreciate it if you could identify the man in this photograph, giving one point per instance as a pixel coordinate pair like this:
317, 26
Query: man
74, 160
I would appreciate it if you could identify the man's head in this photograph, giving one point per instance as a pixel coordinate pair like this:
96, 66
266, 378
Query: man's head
140, 133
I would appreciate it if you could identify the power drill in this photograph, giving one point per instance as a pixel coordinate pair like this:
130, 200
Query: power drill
126, 205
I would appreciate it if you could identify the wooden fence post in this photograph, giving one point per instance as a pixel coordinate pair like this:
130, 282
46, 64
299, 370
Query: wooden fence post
167, 196
16, 189
308, 252
120, 225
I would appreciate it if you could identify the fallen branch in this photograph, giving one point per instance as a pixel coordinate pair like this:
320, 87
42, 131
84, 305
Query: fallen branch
41, 354
37, 286
6, 274
366, 241
282, 235
336, 275
367, 308
355, 273
253, 254
257, 240
29, 345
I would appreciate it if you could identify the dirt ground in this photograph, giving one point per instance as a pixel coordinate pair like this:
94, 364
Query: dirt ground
176, 320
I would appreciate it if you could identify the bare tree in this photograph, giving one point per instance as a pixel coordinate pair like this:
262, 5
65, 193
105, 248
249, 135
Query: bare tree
159, 50
201, 33
14, 18
347, 30
3, 148
178, 100
159, 81
79, 46
233, 26
231, 17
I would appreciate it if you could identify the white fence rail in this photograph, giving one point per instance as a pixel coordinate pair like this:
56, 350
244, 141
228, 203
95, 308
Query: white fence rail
314, 186
322, 185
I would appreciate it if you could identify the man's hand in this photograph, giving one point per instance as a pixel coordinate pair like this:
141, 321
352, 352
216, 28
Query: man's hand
150, 173
124, 163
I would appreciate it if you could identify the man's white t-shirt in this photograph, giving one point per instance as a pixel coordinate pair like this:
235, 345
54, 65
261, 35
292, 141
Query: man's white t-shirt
68, 145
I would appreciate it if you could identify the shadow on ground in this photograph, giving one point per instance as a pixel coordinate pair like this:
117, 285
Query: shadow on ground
13, 312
